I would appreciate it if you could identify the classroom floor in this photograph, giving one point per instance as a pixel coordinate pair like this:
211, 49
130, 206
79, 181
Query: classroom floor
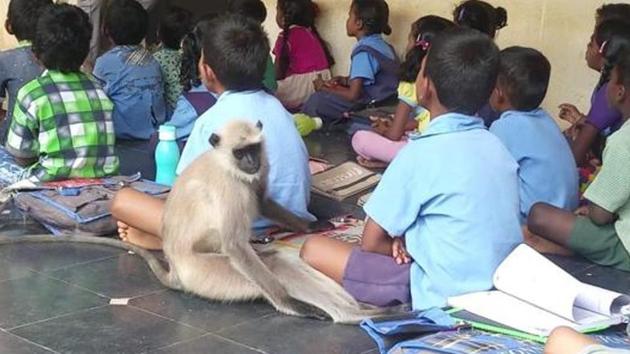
58, 298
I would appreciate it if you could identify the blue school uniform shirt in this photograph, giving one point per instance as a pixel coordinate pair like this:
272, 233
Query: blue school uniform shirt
363, 64
547, 170
132, 79
185, 114
289, 178
453, 193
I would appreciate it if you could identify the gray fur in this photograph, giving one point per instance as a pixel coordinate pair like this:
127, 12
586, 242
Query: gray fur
206, 232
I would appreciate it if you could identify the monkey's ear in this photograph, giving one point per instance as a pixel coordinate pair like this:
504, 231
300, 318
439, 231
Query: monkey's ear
214, 140
259, 125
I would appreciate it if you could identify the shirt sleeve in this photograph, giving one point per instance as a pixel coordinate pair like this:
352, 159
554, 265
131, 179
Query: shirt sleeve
197, 144
364, 66
183, 117
395, 204
611, 188
104, 72
22, 139
502, 131
601, 115
277, 48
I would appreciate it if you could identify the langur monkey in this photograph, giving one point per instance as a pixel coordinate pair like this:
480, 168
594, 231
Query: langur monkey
207, 228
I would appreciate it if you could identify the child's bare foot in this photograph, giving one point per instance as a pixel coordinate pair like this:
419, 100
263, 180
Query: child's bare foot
370, 163
139, 238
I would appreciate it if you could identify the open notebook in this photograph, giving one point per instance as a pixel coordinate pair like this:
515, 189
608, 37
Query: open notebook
535, 296
344, 181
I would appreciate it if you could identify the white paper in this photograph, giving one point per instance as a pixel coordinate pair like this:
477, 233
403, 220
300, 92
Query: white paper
600, 300
529, 276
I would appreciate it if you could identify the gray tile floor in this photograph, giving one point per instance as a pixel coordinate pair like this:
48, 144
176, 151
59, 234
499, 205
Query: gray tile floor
56, 299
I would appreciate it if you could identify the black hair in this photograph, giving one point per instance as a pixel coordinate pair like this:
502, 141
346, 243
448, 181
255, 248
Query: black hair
191, 54
423, 30
374, 14
237, 49
22, 16
603, 34
481, 16
126, 22
617, 55
254, 9
62, 39
524, 77
463, 65
174, 26
300, 13
613, 12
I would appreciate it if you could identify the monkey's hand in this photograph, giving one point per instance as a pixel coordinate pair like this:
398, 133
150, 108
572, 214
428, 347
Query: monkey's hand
273, 211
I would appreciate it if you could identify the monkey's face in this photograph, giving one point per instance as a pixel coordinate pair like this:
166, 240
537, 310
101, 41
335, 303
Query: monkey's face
248, 158
240, 149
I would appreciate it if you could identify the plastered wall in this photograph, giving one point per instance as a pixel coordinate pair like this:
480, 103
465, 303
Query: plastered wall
559, 28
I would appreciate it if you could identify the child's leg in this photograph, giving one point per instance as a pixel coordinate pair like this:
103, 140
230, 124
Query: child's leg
564, 340
550, 223
373, 146
327, 255
139, 218
328, 106
369, 277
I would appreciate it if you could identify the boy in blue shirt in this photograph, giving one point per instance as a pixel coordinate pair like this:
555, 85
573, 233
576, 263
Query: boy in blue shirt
19, 66
233, 62
451, 194
547, 169
131, 76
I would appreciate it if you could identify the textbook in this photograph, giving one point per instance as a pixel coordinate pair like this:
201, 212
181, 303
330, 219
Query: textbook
344, 181
533, 295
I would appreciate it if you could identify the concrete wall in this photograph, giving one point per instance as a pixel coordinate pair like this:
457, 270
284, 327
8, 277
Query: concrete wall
559, 28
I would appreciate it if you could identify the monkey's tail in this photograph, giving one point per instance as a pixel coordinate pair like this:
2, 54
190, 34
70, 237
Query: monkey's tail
319, 290
167, 278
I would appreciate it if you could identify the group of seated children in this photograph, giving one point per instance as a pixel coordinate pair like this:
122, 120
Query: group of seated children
457, 196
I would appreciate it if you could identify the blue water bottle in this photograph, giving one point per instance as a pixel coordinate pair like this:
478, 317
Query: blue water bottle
166, 156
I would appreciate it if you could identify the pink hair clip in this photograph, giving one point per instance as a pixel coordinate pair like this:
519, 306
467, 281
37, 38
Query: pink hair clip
424, 44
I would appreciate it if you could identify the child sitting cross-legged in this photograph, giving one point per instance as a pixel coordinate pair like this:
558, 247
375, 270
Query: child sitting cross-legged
62, 121
131, 76
600, 231
18, 65
430, 232
373, 68
547, 170
234, 57
301, 54
379, 147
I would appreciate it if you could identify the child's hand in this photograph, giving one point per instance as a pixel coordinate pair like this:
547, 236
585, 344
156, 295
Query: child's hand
399, 252
570, 113
381, 125
582, 211
318, 84
337, 81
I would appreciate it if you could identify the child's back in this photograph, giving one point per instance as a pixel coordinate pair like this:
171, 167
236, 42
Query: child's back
547, 169
173, 27
132, 77
63, 120
18, 66
241, 68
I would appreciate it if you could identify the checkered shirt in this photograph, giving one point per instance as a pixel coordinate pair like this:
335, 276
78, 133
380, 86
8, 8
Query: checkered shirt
64, 120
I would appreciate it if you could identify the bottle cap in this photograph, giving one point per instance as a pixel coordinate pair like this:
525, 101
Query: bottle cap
318, 123
166, 132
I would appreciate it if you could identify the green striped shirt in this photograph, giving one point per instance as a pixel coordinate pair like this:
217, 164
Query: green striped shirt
64, 120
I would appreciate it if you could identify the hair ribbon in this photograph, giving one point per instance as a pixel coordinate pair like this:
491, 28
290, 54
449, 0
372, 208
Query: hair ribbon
422, 43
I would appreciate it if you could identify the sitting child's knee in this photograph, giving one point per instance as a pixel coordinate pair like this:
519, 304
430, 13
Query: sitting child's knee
535, 217
309, 250
119, 203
